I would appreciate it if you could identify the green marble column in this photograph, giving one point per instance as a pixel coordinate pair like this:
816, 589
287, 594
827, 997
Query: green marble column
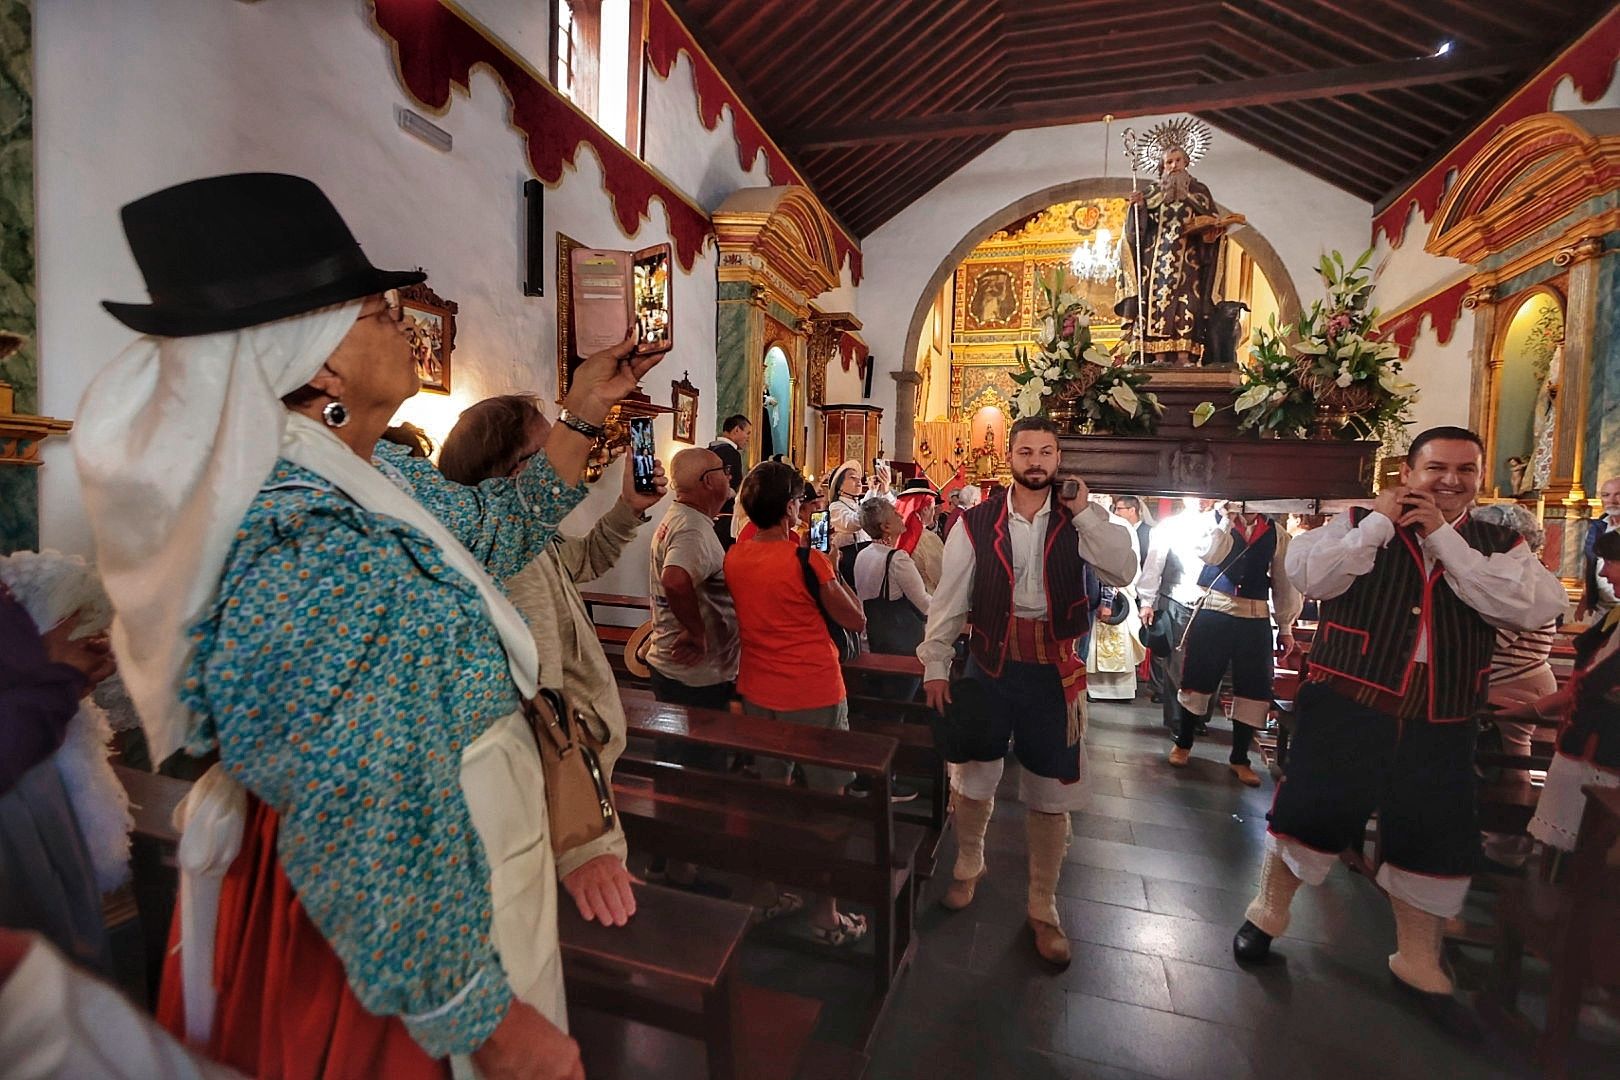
19, 486
734, 332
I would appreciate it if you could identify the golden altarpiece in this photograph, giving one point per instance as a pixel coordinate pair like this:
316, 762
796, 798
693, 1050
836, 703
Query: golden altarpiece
993, 305
1535, 215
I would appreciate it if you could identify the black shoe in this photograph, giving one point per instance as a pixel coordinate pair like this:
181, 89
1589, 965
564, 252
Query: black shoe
1203, 729
1155, 698
1444, 1011
1250, 945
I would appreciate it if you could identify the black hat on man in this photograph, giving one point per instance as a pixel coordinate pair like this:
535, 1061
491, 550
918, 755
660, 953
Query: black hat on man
228, 252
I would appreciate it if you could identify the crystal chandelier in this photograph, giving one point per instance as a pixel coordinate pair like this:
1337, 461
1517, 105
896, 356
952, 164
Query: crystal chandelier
1099, 259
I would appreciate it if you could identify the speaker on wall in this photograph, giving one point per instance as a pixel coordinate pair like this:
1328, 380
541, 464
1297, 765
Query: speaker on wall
534, 245
871, 366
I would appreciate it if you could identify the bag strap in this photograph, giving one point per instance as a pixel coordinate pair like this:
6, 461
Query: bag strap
888, 562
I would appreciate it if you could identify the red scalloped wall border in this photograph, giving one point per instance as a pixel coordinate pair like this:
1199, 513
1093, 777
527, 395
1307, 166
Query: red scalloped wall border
668, 37
436, 45
1443, 309
1589, 63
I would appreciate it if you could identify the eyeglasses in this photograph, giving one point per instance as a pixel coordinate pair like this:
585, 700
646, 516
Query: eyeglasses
715, 468
393, 308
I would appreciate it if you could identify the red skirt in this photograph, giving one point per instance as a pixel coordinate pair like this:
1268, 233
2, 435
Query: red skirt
284, 1009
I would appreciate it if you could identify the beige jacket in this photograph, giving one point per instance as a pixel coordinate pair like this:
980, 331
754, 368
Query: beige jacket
571, 658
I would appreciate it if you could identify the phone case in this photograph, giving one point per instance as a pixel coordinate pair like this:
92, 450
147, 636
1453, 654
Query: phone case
601, 298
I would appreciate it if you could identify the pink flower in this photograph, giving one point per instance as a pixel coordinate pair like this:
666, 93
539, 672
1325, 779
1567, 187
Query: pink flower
1070, 323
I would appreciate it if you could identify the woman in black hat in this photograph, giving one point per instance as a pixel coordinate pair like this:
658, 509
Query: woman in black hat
314, 605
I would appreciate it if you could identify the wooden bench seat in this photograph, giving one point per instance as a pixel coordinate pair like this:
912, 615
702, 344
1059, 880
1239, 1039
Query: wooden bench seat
842, 845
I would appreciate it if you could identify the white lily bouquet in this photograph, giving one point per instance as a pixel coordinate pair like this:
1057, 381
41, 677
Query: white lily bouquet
1071, 379
1330, 362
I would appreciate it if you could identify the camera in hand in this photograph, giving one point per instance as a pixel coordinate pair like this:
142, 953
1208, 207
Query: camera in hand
820, 531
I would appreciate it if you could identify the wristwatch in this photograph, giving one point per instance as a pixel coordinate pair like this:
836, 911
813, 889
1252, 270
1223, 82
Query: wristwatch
583, 427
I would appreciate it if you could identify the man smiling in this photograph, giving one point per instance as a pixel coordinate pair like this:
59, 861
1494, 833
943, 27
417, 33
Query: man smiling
1412, 592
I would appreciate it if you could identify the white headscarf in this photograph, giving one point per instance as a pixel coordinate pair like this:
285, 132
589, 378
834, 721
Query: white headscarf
173, 441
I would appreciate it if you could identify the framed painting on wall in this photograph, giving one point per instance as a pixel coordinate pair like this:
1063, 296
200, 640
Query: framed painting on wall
686, 405
430, 324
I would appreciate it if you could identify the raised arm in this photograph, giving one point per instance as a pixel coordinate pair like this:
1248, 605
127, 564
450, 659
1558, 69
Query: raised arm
1108, 547
1325, 562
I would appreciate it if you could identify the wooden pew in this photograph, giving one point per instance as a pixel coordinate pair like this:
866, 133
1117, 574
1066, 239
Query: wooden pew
840, 845
673, 966
625, 601
915, 758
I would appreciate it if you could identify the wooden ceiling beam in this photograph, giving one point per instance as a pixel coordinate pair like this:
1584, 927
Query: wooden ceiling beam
1338, 114
1331, 82
897, 198
1250, 32
1087, 27
1343, 154
834, 95
1378, 38
839, 162
855, 35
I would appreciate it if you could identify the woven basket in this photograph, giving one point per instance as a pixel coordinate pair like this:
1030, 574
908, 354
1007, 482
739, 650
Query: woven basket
1354, 399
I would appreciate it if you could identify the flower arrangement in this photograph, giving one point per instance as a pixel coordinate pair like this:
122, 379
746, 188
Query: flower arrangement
1328, 373
1086, 386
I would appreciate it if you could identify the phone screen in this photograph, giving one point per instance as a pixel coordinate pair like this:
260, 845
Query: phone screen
652, 301
643, 454
820, 532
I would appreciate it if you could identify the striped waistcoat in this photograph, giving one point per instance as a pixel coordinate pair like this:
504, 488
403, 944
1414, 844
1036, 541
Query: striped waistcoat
1370, 633
1068, 611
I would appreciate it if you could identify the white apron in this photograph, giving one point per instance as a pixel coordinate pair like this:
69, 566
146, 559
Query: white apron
505, 789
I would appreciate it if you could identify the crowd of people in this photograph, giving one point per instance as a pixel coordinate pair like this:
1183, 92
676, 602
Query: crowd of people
354, 646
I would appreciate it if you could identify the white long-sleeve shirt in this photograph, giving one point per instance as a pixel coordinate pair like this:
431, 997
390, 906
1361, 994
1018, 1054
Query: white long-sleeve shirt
1185, 534
1286, 600
1106, 546
1510, 590
904, 577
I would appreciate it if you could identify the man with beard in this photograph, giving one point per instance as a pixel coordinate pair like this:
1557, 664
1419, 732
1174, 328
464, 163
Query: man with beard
1411, 595
1171, 262
1017, 564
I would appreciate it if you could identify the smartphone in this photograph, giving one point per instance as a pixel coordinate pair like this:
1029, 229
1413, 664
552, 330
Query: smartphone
1070, 489
643, 454
653, 311
820, 532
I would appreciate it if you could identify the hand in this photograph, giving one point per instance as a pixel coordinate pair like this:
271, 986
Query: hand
601, 890
603, 378
636, 500
1147, 616
91, 656
527, 1046
1135, 198
1421, 513
689, 648
1081, 498
938, 693
1389, 501
1287, 648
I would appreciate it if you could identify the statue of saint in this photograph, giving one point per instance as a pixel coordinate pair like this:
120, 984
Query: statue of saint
1172, 254
986, 461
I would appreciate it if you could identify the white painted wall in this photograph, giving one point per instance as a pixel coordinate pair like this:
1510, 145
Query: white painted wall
701, 163
180, 90
1300, 215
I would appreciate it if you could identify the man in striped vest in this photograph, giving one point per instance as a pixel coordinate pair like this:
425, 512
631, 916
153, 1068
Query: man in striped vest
1411, 594
1017, 563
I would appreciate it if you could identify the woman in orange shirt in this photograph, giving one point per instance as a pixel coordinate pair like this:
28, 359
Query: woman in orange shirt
789, 668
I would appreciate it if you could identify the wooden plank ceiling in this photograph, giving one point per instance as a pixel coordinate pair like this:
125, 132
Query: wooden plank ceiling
877, 101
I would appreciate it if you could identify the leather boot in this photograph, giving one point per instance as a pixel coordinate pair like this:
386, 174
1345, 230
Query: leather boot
1048, 839
972, 818
1267, 916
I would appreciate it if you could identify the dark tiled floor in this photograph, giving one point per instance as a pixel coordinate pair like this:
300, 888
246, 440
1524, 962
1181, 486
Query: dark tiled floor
1162, 865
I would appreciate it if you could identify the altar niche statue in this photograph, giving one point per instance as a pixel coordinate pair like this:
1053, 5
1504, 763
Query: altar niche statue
1174, 262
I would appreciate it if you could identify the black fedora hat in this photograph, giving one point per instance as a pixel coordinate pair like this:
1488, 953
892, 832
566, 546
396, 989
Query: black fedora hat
227, 252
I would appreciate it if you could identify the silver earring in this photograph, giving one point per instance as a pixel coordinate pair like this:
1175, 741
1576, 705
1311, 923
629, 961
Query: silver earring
335, 414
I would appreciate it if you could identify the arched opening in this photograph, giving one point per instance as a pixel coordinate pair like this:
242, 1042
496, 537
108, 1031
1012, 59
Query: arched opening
1523, 421
927, 334
776, 419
